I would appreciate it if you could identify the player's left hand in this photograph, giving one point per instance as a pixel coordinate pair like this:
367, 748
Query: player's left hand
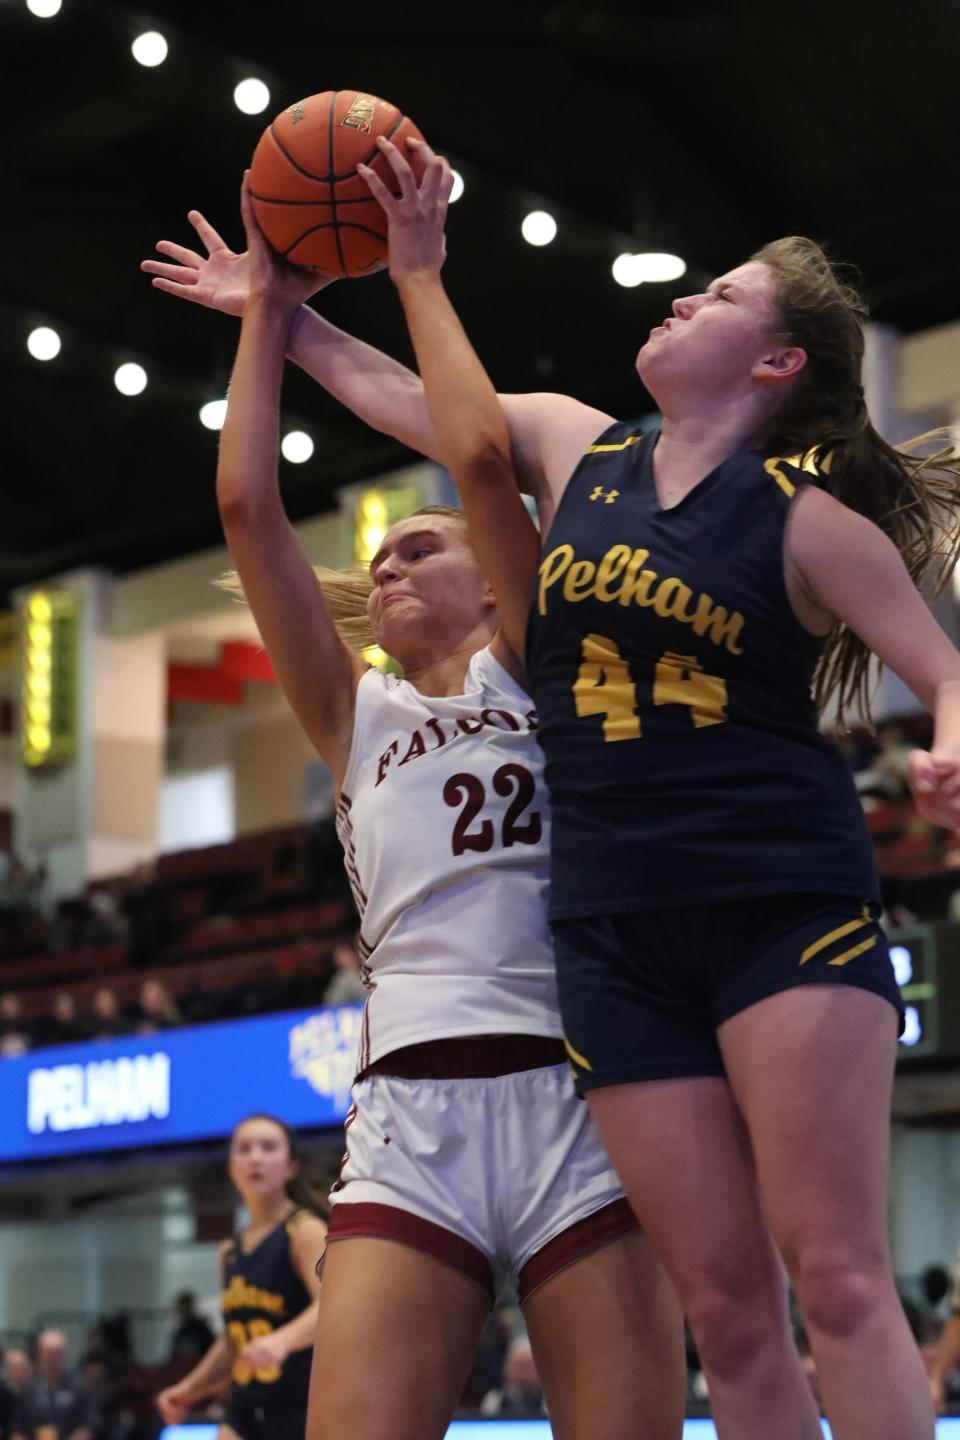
935, 782
415, 217
264, 1351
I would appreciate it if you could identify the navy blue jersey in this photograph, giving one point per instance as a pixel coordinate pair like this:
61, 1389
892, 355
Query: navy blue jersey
672, 682
261, 1292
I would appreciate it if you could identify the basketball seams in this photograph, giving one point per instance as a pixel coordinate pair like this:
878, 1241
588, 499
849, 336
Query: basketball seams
331, 110
295, 164
341, 252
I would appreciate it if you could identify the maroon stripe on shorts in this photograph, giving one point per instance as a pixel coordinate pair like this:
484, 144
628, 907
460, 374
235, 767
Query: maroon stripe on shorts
374, 1221
592, 1233
469, 1057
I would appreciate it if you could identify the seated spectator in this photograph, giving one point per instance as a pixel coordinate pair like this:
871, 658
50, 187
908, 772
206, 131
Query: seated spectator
192, 1336
520, 1395
54, 1402
19, 896
109, 1020
282, 887
16, 1369
64, 1025
15, 1033
158, 1009
145, 906
346, 986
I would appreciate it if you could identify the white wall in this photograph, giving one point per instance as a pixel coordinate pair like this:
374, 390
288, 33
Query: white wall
111, 1259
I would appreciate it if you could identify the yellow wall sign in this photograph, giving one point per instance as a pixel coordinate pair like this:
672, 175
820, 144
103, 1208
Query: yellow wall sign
49, 661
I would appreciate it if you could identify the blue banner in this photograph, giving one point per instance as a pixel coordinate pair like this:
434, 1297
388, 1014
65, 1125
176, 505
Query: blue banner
180, 1085
528, 1430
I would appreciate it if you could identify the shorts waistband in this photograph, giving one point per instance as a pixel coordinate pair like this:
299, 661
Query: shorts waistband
469, 1057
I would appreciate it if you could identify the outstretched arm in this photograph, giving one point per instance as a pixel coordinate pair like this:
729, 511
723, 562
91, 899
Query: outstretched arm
464, 409
316, 671
548, 433
856, 575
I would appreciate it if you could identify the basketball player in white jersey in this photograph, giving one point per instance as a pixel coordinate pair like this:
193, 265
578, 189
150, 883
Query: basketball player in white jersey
467, 1151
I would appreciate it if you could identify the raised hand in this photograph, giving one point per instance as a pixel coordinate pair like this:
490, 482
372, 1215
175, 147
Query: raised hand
220, 278
217, 279
416, 216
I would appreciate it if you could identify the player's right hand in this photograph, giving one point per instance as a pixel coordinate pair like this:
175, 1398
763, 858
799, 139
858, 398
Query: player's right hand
174, 1404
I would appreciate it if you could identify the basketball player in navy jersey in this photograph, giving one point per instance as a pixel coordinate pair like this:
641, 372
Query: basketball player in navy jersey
269, 1295
730, 1007
729, 1004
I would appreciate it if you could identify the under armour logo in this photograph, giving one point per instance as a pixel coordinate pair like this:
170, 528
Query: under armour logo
608, 495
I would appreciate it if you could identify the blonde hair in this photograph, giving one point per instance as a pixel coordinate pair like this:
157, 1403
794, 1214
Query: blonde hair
345, 591
911, 491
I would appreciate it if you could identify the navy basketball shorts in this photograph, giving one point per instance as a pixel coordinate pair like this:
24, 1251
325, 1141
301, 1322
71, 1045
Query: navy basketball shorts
643, 994
260, 1422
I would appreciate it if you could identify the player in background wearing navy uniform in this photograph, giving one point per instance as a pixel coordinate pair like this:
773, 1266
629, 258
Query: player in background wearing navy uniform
729, 1003
466, 1145
269, 1295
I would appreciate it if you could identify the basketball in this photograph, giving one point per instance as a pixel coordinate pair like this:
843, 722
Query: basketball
309, 201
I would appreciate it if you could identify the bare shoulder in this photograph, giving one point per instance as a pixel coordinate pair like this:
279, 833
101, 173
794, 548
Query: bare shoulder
819, 523
549, 433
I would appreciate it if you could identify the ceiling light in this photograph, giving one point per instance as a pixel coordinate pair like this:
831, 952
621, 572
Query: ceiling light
43, 343
538, 228
654, 265
149, 49
626, 271
130, 379
296, 447
251, 96
213, 414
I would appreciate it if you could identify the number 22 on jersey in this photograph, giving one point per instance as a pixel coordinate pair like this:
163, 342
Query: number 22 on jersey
604, 686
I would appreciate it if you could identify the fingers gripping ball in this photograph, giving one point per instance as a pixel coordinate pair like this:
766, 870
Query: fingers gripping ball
309, 201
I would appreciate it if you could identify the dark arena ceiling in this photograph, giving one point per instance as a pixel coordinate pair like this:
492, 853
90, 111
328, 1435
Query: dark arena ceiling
700, 128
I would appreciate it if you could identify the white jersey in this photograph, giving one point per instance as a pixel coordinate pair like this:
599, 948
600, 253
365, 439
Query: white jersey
444, 822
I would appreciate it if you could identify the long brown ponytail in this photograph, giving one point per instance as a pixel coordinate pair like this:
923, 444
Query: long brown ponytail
912, 491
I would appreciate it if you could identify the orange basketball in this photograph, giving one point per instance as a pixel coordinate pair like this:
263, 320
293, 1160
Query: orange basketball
309, 201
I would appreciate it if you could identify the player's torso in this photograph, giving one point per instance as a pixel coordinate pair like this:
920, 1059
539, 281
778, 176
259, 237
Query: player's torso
445, 827
669, 669
261, 1292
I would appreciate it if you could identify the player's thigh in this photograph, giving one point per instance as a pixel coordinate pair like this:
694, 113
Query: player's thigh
683, 1155
397, 1331
227, 1432
812, 1072
607, 1337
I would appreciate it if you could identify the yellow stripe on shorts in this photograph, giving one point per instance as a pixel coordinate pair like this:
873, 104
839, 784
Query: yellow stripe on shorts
579, 1060
852, 954
837, 934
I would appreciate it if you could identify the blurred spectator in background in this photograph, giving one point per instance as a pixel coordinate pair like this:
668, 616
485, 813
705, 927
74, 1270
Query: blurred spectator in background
54, 1402
282, 886
16, 1369
19, 897
7, 1401
64, 1025
109, 1020
15, 1034
144, 904
885, 777
192, 1335
943, 1358
519, 1396
345, 986
158, 1009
